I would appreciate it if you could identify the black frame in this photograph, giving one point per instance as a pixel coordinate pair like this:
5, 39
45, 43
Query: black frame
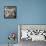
9, 7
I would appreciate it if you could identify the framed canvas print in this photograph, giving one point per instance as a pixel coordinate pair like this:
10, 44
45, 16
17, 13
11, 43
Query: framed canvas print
9, 12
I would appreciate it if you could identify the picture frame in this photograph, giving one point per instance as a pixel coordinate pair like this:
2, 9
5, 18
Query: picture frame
10, 12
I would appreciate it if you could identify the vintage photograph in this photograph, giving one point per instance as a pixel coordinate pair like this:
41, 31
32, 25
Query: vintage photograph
9, 11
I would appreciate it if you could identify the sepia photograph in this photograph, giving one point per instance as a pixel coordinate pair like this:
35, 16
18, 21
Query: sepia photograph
9, 11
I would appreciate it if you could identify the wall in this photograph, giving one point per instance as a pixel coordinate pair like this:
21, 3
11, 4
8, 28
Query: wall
28, 12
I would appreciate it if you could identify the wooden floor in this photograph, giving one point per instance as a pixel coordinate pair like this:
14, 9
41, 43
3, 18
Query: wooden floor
28, 43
